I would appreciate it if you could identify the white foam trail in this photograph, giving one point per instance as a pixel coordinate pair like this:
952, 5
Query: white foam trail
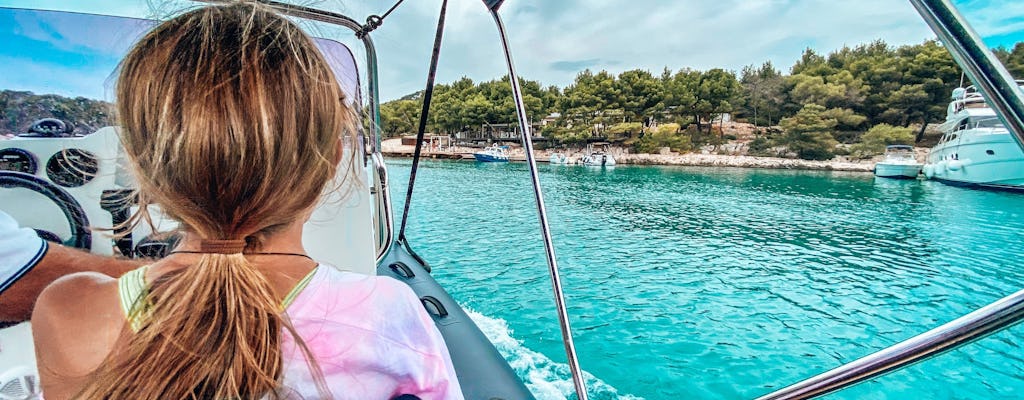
546, 379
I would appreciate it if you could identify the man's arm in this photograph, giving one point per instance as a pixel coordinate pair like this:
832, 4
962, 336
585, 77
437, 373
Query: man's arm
16, 302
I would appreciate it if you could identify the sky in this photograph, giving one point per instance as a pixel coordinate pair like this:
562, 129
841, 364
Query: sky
552, 40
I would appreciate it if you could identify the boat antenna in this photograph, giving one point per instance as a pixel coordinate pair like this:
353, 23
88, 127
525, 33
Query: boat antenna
375, 21
549, 247
427, 94
961, 79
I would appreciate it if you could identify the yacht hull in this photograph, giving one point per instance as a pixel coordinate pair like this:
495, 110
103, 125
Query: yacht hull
978, 159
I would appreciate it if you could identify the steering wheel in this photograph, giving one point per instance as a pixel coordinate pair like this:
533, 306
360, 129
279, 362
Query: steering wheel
50, 127
72, 209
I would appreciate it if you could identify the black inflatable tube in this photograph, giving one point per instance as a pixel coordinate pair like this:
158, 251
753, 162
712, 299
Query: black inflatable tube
482, 371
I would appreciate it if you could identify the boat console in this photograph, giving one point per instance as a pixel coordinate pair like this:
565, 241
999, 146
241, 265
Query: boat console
75, 190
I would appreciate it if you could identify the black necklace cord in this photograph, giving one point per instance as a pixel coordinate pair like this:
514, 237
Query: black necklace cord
427, 94
375, 21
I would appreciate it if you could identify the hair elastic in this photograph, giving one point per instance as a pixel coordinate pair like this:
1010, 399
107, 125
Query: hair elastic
221, 246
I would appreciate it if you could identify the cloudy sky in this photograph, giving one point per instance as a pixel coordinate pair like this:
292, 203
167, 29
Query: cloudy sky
552, 40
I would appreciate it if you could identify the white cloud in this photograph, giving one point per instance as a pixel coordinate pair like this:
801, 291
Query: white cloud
648, 34
994, 17
550, 35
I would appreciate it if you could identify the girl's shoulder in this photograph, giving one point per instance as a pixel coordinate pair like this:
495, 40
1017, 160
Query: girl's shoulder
80, 308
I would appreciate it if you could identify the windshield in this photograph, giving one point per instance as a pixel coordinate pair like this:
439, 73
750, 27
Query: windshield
986, 123
62, 65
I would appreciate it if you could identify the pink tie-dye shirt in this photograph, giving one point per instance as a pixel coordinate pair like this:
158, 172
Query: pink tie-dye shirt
371, 338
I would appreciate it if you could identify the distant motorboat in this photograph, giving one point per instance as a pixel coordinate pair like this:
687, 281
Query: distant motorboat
493, 153
975, 148
899, 163
597, 158
558, 158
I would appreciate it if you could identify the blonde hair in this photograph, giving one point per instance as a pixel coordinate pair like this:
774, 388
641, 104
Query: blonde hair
231, 120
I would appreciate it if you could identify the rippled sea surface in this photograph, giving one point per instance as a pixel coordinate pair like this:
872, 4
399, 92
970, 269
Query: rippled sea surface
723, 283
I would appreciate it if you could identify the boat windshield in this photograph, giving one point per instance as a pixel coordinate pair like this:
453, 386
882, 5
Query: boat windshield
62, 65
985, 123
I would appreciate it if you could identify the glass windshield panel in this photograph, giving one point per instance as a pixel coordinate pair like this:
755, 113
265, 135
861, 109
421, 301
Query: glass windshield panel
61, 65
987, 122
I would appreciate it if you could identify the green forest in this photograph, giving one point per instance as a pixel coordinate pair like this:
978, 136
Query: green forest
866, 97
19, 109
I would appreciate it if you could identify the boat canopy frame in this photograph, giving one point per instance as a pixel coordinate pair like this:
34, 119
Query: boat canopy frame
1000, 91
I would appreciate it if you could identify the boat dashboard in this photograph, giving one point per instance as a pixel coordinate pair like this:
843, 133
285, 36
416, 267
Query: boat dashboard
62, 170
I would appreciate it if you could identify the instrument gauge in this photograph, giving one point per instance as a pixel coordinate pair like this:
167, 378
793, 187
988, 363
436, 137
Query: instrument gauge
72, 167
18, 160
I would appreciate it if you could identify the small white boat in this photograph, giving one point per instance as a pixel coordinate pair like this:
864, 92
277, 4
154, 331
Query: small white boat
899, 163
597, 158
493, 153
558, 158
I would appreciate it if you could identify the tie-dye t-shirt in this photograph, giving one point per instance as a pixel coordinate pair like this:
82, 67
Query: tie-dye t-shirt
371, 338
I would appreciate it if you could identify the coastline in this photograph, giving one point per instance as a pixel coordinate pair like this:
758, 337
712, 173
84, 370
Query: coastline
393, 148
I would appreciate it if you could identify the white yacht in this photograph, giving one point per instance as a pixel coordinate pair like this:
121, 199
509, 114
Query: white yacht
975, 149
899, 163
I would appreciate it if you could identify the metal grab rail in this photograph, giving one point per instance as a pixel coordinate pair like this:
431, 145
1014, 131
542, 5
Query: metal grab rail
985, 321
385, 217
549, 247
312, 14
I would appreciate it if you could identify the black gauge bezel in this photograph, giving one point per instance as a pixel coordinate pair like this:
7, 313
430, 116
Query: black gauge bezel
33, 163
59, 168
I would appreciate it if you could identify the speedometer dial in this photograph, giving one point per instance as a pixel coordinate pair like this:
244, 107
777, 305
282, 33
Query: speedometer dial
17, 160
72, 167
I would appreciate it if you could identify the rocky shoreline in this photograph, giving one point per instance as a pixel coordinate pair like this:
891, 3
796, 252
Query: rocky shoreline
392, 148
719, 160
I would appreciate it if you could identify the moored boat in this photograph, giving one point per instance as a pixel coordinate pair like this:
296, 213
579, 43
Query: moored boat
599, 157
899, 163
493, 153
975, 150
557, 158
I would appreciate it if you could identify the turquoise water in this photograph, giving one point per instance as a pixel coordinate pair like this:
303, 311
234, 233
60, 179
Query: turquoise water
718, 283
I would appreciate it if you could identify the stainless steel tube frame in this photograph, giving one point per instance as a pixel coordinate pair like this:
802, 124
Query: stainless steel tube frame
385, 217
985, 321
372, 149
556, 282
984, 69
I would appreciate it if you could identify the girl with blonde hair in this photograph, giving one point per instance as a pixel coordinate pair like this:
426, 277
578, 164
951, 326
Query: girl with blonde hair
234, 124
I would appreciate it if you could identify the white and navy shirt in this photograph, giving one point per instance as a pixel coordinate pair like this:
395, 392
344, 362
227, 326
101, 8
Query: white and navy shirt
20, 250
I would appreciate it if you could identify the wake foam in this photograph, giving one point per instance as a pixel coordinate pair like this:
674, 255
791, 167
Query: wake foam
546, 379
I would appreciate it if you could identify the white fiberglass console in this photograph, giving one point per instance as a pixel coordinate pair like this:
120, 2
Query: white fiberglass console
89, 170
